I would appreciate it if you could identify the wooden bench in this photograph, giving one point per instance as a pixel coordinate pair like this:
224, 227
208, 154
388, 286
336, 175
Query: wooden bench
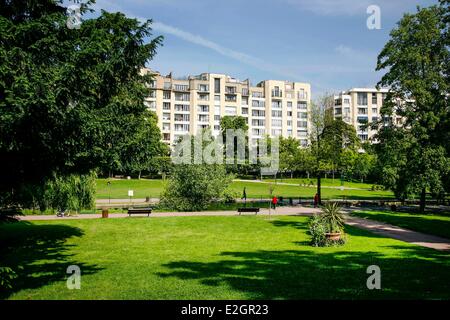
248, 209
146, 211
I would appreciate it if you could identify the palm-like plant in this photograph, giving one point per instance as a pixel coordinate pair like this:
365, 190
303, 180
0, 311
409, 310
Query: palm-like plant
332, 217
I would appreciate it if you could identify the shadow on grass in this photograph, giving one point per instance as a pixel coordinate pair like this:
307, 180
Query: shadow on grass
302, 274
38, 254
407, 272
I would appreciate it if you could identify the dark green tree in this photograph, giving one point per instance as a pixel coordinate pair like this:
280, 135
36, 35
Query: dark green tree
414, 156
67, 96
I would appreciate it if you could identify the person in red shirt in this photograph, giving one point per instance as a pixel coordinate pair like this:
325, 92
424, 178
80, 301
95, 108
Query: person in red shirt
316, 200
274, 202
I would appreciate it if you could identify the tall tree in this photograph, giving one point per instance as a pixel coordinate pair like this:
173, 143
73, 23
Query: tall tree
329, 138
67, 96
415, 155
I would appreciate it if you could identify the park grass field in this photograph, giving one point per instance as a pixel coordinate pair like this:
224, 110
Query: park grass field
242, 257
326, 182
431, 223
142, 188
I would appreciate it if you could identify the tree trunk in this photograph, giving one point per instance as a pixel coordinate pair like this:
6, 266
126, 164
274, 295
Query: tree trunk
318, 189
139, 175
422, 201
292, 174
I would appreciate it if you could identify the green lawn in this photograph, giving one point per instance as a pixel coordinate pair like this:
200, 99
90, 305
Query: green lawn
328, 182
242, 257
152, 188
436, 224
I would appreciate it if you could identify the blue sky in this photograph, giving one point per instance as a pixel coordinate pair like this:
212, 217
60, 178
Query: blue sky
323, 42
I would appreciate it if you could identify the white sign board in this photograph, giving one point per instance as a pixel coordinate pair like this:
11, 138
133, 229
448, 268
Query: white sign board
130, 193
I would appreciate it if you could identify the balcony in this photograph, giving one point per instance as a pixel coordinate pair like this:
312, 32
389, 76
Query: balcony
277, 93
181, 87
230, 98
230, 90
302, 96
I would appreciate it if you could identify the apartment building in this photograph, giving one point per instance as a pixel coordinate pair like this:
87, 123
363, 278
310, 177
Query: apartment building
359, 106
187, 105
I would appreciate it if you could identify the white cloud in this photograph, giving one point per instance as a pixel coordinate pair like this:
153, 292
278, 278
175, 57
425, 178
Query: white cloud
353, 7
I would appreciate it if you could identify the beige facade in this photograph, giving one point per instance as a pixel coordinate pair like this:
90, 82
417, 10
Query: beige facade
273, 107
359, 106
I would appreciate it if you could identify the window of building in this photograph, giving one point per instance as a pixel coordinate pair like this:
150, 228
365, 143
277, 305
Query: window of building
301, 105
203, 96
276, 122
181, 87
244, 110
258, 122
257, 104
302, 124
217, 117
181, 117
166, 105
374, 98
203, 88
257, 94
258, 113
230, 110
277, 113
203, 117
362, 98
182, 96
182, 107
276, 104
276, 132
302, 115
362, 110
181, 127
166, 94
203, 108
166, 127
216, 85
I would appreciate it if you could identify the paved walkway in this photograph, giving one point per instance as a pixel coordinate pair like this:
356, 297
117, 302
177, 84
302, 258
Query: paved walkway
387, 230
380, 228
280, 211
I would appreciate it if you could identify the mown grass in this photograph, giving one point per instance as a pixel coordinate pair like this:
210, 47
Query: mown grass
118, 189
431, 223
325, 182
241, 257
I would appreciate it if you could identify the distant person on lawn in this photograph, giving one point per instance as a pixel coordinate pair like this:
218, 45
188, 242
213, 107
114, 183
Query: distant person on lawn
316, 200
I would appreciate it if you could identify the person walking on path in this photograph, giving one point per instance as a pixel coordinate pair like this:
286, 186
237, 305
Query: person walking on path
274, 202
316, 200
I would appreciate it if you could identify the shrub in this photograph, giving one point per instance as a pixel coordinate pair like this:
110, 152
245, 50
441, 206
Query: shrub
194, 186
73, 192
317, 230
332, 217
229, 196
